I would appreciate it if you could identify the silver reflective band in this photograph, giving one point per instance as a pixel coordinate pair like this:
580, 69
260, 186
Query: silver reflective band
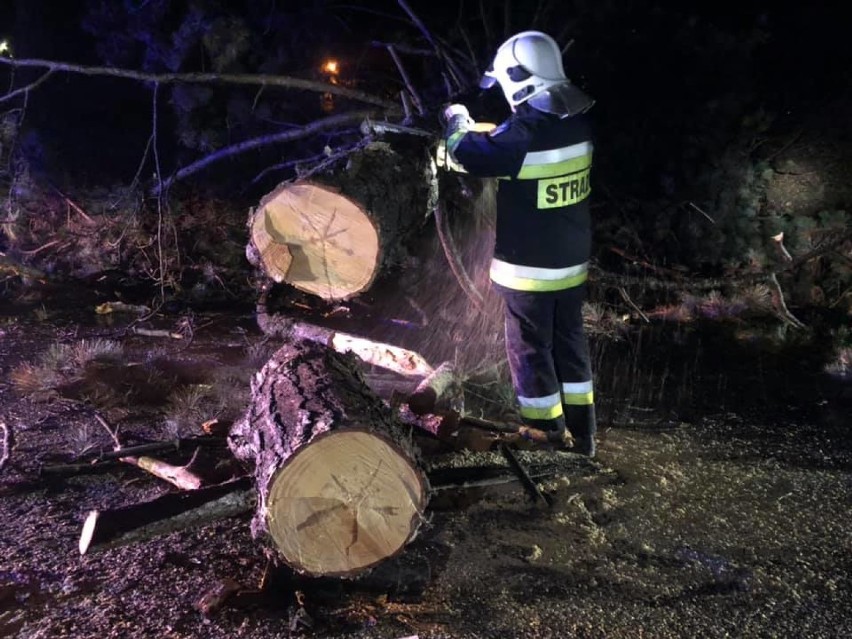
577, 388
558, 155
540, 402
501, 268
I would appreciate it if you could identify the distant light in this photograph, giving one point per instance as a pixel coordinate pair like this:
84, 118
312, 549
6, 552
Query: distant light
331, 66
4, 46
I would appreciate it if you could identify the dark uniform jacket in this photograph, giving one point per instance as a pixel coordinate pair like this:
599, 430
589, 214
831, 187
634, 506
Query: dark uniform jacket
543, 225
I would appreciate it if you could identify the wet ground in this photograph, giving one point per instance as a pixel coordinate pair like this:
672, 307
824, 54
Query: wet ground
719, 506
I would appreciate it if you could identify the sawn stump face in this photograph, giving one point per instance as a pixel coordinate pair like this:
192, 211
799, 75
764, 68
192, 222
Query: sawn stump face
339, 487
344, 503
333, 235
331, 241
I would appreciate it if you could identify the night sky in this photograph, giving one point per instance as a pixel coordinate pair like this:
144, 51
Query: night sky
662, 72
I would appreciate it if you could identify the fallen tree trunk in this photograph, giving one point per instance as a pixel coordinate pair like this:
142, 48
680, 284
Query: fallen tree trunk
333, 235
338, 483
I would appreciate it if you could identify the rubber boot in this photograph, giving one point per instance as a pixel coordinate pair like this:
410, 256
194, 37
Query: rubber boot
582, 424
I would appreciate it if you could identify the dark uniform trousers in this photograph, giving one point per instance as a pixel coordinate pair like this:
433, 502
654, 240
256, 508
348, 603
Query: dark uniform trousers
548, 356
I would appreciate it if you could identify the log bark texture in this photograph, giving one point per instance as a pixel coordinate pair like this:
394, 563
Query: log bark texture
338, 482
332, 235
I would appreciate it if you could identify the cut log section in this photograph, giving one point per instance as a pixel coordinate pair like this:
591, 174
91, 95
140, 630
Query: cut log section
339, 486
333, 235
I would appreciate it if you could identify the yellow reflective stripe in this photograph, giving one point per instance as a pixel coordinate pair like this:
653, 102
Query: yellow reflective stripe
531, 171
564, 191
578, 393
579, 399
530, 278
454, 140
547, 407
551, 412
541, 286
542, 413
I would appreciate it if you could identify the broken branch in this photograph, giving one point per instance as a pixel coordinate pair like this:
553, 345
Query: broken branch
179, 476
781, 305
418, 103
174, 445
434, 389
25, 90
266, 140
632, 304
169, 513
198, 78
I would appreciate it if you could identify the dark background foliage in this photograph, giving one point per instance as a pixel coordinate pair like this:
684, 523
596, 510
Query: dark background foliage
717, 124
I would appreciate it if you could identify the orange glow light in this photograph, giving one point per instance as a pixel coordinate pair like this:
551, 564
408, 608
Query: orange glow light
330, 66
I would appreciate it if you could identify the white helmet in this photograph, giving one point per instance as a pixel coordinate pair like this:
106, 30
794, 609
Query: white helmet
528, 67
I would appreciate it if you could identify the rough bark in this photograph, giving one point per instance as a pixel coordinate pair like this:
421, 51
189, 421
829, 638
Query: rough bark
338, 483
332, 236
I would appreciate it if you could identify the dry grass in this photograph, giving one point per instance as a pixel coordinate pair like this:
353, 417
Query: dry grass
31, 379
89, 350
187, 408
81, 438
258, 352
62, 364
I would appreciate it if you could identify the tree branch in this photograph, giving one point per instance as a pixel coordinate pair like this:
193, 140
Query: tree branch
24, 90
438, 50
266, 140
418, 103
197, 78
781, 305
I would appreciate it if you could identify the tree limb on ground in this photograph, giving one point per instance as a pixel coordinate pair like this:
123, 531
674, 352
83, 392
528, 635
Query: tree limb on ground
179, 476
169, 513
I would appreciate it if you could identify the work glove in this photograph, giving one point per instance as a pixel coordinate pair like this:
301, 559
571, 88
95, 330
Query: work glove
456, 118
457, 122
452, 110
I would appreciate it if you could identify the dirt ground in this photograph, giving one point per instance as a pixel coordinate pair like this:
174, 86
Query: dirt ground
734, 522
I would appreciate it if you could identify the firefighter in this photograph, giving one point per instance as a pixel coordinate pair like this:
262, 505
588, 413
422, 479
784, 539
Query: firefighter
542, 156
